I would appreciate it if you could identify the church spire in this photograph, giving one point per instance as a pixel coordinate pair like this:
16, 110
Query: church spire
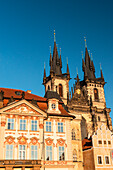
68, 74
44, 77
102, 77
88, 66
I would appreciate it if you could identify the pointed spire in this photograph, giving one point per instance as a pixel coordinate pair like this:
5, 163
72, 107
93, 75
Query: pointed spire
54, 36
77, 77
44, 71
50, 63
68, 74
44, 77
60, 59
102, 77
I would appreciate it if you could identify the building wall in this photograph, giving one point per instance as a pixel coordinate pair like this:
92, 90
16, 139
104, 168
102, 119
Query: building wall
102, 146
88, 159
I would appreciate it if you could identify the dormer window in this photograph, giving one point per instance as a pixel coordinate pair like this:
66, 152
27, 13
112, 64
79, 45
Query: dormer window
53, 106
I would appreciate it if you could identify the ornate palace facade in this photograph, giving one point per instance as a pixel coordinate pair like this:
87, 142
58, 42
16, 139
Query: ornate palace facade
60, 130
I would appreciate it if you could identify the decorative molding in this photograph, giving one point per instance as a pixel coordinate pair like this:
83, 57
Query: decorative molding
22, 140
9, 140
41, 126
49, 141
60, 142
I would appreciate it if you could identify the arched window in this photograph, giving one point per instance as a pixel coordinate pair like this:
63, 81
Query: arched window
99, 118
48, 87
74, 155
60, 90
96, 94
73, 134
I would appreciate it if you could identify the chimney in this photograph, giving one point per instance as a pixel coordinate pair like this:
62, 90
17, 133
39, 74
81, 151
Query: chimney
29, 91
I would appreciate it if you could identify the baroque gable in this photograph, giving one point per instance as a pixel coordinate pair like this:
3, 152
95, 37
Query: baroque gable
23, 107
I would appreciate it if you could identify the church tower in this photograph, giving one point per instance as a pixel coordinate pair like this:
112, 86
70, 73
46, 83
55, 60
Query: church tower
57, 81
94, 86
88, 99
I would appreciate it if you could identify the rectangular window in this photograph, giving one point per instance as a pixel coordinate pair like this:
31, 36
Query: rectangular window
48, 153
104, 142
100, 142
60, 127
22, 124
9, 151
99, 159
34, 125
107, 159
61, 153
21, 151
10, 124
109, 142
48, 126
34, 151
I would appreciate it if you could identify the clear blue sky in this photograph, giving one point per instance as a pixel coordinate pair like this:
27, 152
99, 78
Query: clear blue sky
26, 32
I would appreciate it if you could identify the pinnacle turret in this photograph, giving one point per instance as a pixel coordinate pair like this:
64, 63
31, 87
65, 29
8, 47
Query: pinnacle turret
44, 77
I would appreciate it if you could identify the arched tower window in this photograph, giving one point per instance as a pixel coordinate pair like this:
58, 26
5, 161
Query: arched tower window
96, 94
74, 155
60, 90
48, 87
73, 134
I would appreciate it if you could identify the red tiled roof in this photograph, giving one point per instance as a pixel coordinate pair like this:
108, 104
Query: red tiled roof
28, 96
41, 101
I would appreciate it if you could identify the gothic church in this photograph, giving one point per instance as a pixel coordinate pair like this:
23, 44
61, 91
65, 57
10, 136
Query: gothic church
62, 130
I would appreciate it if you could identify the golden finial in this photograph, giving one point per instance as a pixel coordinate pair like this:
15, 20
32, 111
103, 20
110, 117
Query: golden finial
54, 37
85, 42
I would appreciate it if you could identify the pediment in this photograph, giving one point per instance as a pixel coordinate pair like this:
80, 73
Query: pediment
23, 107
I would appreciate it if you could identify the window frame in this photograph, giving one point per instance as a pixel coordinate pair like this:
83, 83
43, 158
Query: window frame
74, 155
108, 159
9, 152
60, 152
23, 156
73, 135
60, 90
98, 159
96, 95
23, 124
34, 126
34, 150
48, 126
49, 152
60, 127
10, 122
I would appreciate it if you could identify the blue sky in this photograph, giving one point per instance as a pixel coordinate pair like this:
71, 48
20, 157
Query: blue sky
26, 32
